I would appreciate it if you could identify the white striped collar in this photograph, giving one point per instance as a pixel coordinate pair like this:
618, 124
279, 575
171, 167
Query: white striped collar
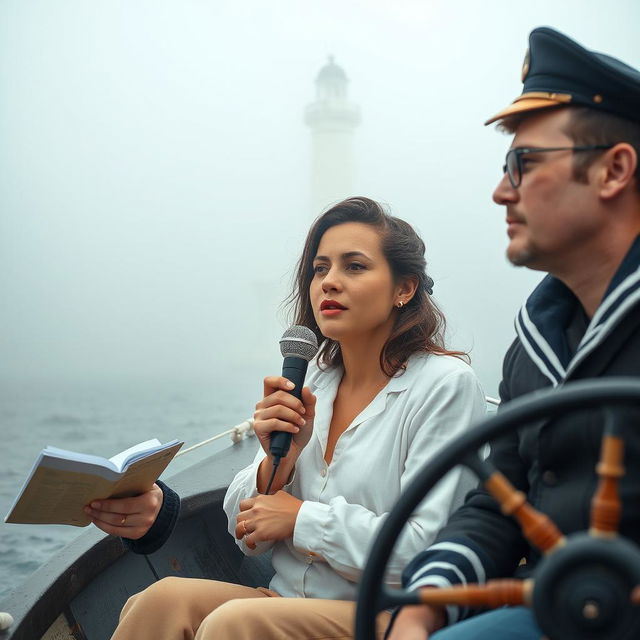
542, 320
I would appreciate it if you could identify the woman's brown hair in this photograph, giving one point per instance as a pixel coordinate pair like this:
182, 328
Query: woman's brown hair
419, 326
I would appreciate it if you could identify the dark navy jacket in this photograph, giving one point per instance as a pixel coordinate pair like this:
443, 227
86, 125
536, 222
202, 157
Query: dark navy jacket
162, 528
553, 462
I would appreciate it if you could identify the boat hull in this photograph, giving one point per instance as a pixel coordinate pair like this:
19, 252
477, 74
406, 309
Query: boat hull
79, 593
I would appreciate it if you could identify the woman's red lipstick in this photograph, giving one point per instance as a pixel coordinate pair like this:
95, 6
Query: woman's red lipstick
331, 308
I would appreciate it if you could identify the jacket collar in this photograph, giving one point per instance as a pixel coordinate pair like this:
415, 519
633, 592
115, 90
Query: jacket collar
542, 320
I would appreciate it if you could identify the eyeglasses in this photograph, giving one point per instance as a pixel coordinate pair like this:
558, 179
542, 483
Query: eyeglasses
513, 161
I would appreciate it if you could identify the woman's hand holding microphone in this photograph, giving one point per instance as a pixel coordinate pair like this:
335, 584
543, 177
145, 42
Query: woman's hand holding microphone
273, 517
280, 410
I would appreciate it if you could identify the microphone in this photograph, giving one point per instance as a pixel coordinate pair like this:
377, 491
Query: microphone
298, 346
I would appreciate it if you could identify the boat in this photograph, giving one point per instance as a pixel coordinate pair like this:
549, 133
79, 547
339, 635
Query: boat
79, 594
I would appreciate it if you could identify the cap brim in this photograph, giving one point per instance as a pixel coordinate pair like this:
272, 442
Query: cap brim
523, 105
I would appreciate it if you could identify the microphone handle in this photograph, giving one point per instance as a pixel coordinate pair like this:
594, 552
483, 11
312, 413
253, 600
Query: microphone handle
294, 369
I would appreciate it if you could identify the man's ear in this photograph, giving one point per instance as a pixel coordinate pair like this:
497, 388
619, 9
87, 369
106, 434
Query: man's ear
617, 170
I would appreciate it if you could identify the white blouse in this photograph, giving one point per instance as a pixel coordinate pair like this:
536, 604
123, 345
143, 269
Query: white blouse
405, 425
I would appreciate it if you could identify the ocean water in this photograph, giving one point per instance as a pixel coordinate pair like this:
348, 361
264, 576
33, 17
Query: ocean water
101, 419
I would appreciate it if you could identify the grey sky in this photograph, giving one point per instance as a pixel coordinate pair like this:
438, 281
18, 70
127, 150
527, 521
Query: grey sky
154, 168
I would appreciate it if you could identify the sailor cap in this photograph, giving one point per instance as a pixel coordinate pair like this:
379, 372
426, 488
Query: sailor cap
557, 71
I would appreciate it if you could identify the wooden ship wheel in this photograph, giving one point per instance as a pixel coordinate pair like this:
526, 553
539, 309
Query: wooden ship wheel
587, 584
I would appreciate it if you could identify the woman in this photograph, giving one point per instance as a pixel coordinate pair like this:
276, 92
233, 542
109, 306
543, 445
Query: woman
384, 396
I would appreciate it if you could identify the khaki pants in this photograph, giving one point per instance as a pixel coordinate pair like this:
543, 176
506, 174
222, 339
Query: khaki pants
194, 609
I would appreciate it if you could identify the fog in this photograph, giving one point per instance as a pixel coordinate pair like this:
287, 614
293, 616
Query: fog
155, 169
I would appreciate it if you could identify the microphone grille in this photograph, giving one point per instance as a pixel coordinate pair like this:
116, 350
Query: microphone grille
299, 341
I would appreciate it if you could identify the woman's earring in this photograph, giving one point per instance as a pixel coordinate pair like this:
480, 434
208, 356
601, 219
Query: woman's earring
400, 304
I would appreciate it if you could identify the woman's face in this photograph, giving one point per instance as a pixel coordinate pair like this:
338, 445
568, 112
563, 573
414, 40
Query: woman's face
352, 290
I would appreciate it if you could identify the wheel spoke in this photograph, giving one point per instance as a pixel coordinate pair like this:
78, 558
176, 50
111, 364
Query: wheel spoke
493, 594
606, 506
536, 526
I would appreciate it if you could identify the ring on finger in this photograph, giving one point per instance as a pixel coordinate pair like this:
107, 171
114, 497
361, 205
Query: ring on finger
124, 519
244, 528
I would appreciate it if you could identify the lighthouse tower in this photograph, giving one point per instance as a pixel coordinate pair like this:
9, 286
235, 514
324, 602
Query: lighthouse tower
332, 120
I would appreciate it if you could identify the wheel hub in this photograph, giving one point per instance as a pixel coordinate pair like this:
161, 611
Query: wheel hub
583, 590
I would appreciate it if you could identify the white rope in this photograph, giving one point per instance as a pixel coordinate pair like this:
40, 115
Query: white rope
237, 434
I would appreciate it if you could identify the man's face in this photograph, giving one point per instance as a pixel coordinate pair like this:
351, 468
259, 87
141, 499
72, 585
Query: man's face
552, 220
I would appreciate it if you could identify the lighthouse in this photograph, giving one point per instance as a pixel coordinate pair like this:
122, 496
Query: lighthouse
332, 120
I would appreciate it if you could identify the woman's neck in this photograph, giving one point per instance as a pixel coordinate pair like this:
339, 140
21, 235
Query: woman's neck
362, 365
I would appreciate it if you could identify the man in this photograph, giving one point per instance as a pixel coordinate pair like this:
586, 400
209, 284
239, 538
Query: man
571, 189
